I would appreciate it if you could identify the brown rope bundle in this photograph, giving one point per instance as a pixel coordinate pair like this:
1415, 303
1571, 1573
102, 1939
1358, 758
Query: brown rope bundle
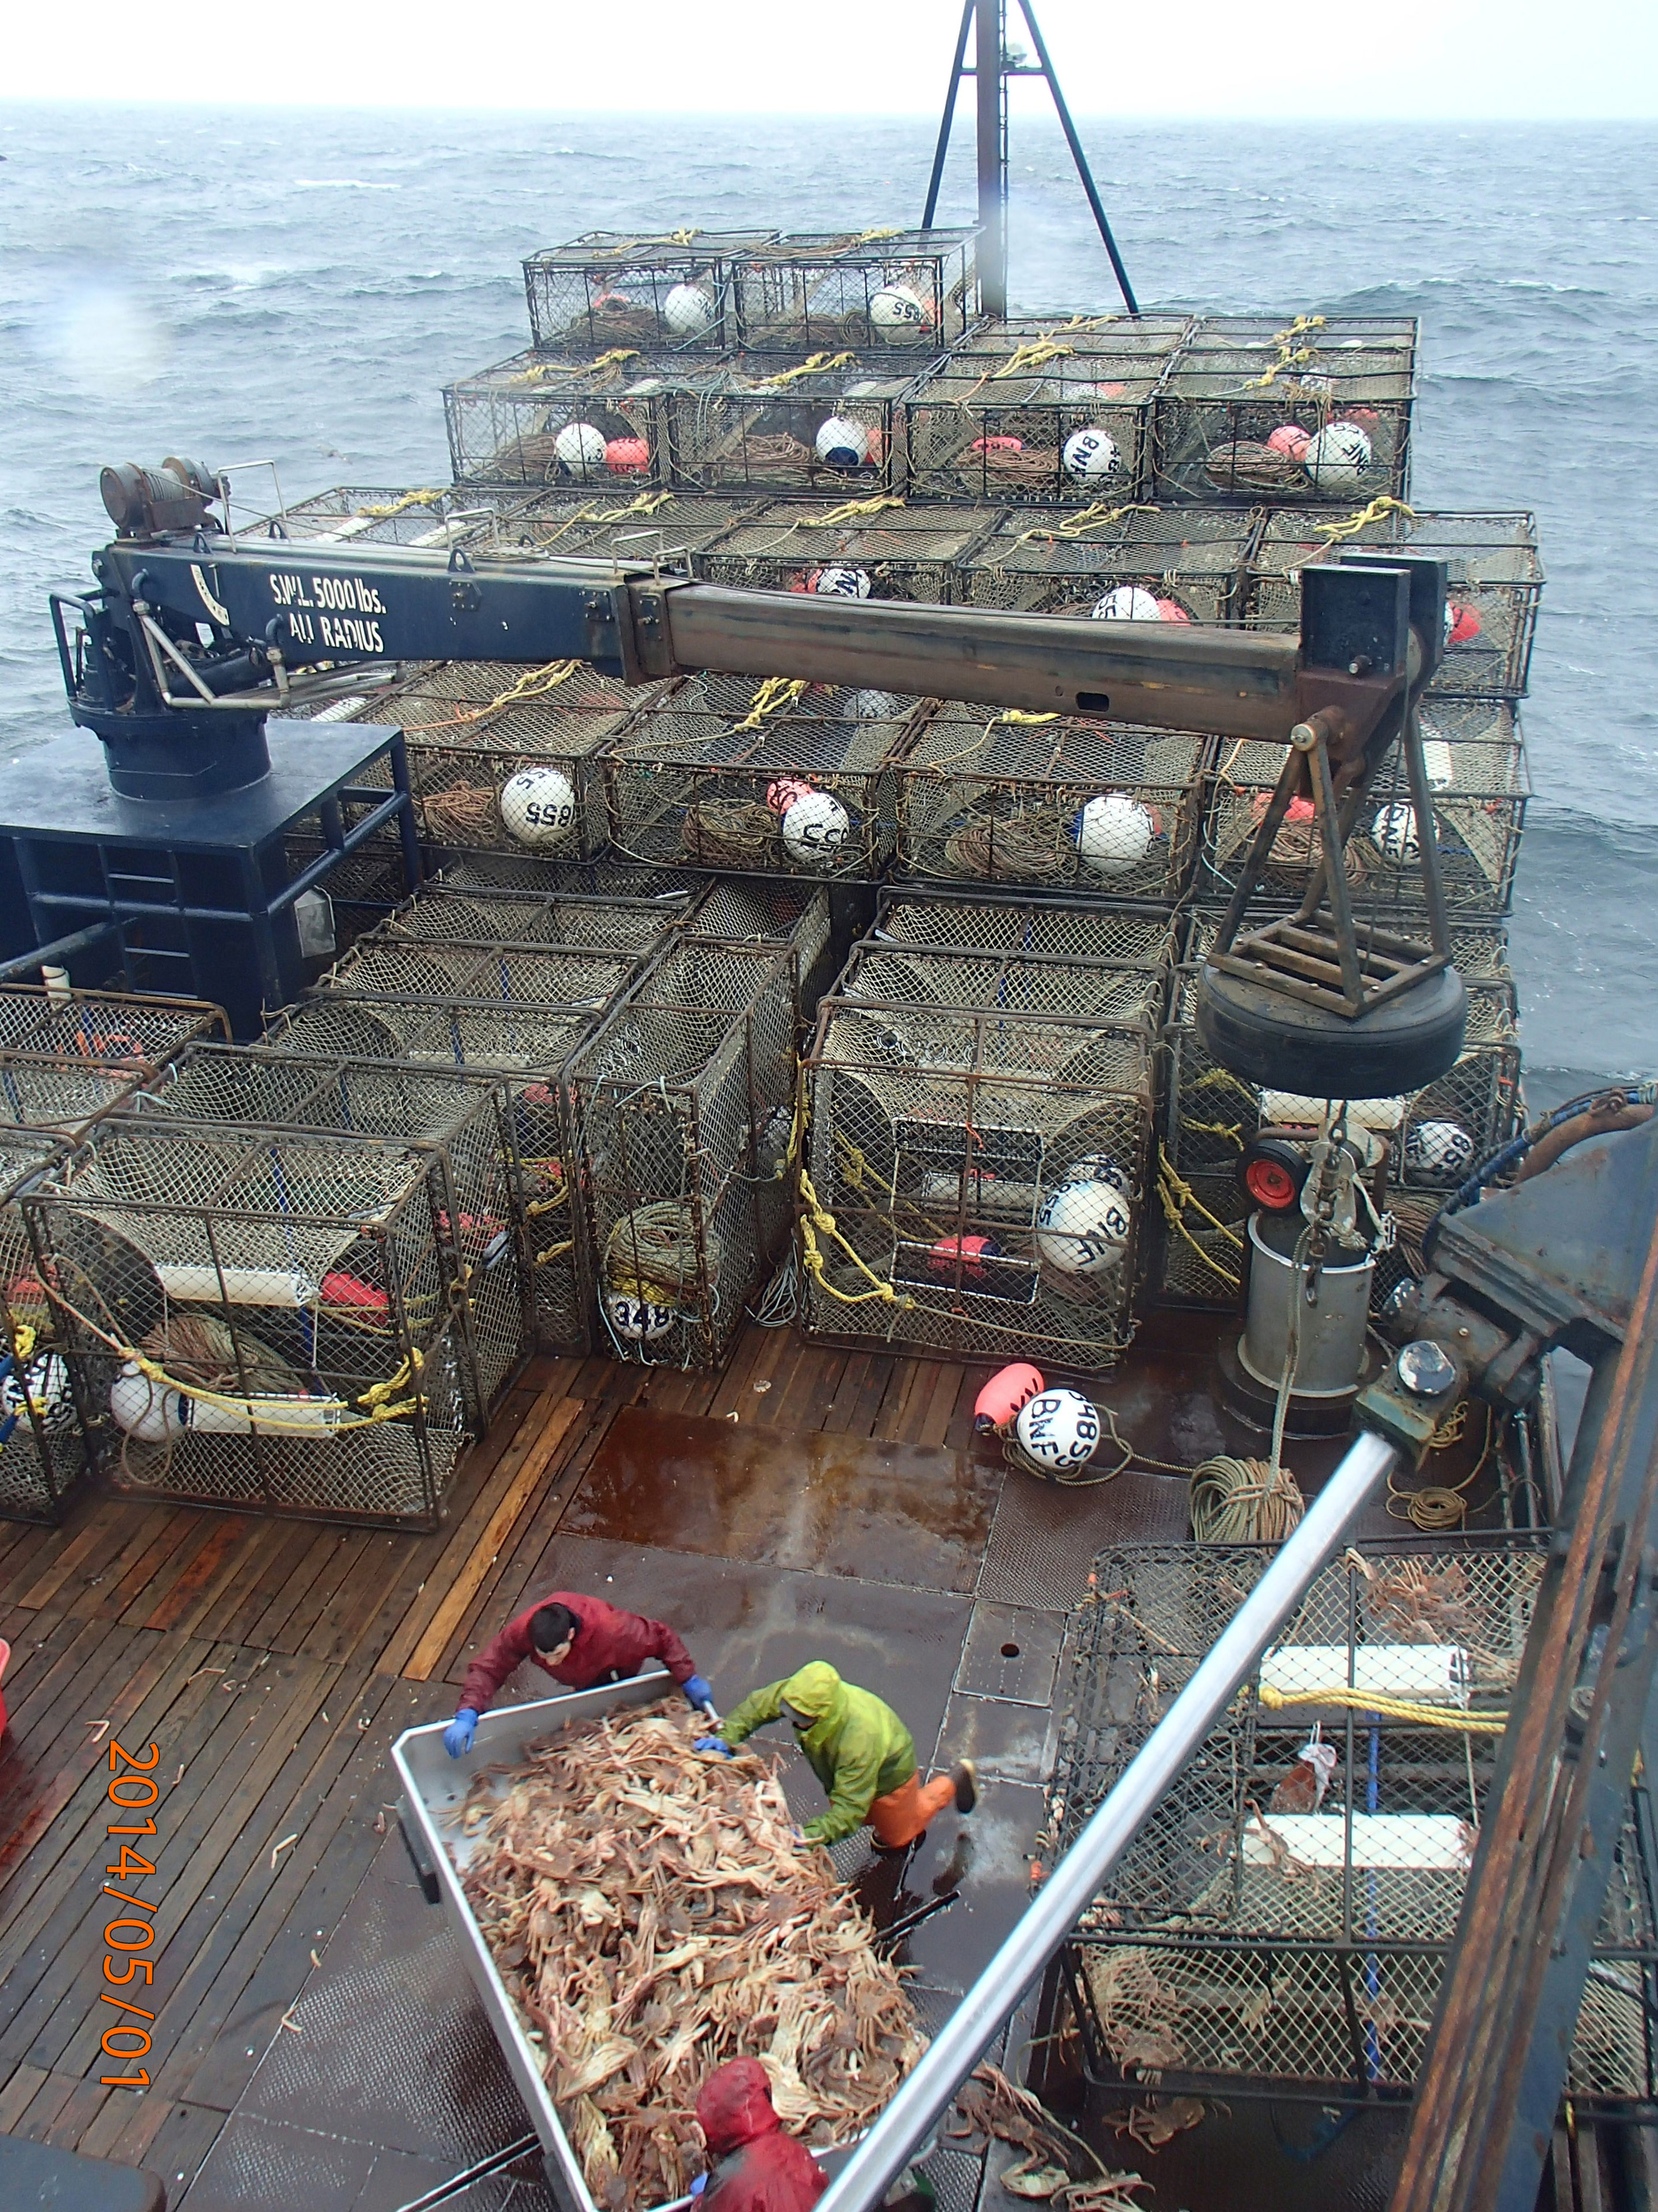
1246, 467
651, 1255
464, 810
198, 1349
730, 832
1036, 844
1033, 465
775, 451
1243, 1502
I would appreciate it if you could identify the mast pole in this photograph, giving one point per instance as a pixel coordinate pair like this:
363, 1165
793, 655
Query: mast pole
943, 146
991, 87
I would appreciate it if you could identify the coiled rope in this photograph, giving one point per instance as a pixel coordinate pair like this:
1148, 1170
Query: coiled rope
651, 1254
1244, 1501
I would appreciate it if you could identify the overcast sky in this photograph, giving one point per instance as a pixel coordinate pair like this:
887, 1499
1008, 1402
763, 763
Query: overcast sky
1463, 58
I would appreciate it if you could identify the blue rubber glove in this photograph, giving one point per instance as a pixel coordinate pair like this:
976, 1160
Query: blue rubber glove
457, 1737
699, 2184
699, 1691
714, 1743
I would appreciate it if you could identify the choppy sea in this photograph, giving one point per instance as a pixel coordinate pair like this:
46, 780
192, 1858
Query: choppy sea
296, 286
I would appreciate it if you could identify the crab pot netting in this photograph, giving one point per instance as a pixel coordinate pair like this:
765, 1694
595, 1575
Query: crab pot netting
830, 425
60, 1096
906, 553
1049, 561
603, 876
469, 1117
1032, 929
830, 291
684, 1107
606, 289
1270, 1942
1010, 982
666, 528
1477, 772
504, 425
377, 516
996, 424
305, 1281
1237, 382
1001, 798
1494, 585
108, 1028
938, 1136
43, 1447
788, 778
440, 914
792, 917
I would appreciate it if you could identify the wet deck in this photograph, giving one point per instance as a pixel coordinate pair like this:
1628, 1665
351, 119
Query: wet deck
803, 1502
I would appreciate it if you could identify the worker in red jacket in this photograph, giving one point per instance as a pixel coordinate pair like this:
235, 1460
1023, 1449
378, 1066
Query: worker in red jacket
580, 1642
753, 2165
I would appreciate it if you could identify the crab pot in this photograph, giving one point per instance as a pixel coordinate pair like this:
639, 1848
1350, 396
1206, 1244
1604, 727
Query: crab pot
784, 780
906, 553
1248, 1945
352, 514
1003, 420
950, 921
1495, 586
1057, 561
43, 1420
667, 528
467, 1116
301, 1286
441, 914
791, 916
832, 426
1476, 771
505, 424
1237, 385
826, 291
629, 883
132, 1033
684, 1108
1090, 988
676, 293
1001, 798
943, 1140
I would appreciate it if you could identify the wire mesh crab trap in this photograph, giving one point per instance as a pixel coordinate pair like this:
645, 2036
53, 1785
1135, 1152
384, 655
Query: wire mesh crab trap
579, 423
442, 914
872, 291
43, 1437
1094, 988
1495, 584
603, 876
831, 422
668, 294
466, 1117
684, 1109
665, 527
787, 778
1046, 799
842, 553
1318, 410
1037, 420
1477, 771
378, 516
262, 1318
793, 918
1033, 929
974, 1179
1132, 564
131, 1034
1281, 1924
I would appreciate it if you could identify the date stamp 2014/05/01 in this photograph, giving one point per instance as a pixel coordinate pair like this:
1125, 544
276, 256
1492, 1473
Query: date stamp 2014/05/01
134, 1791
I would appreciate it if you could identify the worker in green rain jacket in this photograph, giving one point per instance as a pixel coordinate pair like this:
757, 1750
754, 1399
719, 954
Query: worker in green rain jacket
859, 1750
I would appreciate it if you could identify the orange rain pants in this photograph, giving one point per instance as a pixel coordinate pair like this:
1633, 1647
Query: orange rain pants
902, 1814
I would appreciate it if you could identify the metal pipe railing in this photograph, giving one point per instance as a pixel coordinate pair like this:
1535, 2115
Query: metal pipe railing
1076, 1880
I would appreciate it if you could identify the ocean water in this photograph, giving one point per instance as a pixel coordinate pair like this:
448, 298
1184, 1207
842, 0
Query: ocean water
249, 285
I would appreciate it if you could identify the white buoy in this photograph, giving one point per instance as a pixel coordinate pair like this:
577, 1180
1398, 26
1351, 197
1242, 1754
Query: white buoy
814, 827
43, 1389
1113, 834
580, 449
1339, 459
842, 443
147, 1410
1083, 1228
1128, 603
1394, 833
688, 312
896, 314
1059, 1428
841, 583
1442, 1149
538, 807
636, 1320
1090, 456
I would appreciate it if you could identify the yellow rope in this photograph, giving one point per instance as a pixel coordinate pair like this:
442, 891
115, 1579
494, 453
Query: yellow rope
775, 694
602, 366
1290, 355
1388, 1707
1175, 1195
815, 1216
1035, 354
535, 683
401, 506
850, 510
1349, 526
1438, 1506
646, 504
813, 366
631, 245
869, 237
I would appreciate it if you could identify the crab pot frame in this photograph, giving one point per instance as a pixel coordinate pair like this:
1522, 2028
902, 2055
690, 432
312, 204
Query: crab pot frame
792, 917
469, 1116
1052, 561
441, 914
932, 1127
906, 553
1494, 587
130, 1033
352, 514
749, 429
1244, 1946
629, 883
950, 921
305, 1282
504, 423
606, 289
704, 775
1477, 769
821, 291
42, 1418
1129, 992
684, 1108
1236, 380
995, 798
665, 527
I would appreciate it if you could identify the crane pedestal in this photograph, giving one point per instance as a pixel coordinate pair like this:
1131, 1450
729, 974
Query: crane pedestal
201, 891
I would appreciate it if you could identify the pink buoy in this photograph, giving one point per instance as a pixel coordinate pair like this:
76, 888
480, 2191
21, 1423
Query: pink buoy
997, 445
627, 456
1291, 440
782, 792
973, 1253
1005, 1393
1464, 625
1171, 611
